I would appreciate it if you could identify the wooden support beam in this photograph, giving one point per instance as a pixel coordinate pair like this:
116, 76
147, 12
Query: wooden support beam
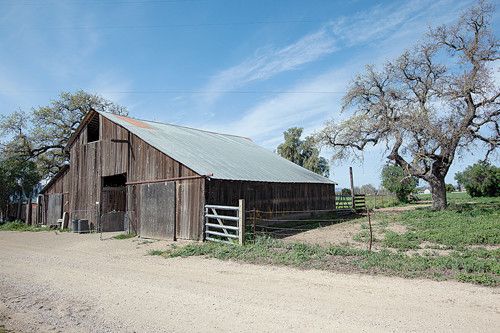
167, 179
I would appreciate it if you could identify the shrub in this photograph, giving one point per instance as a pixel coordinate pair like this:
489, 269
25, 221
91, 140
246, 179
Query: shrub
450, 188
345, 191
480, 180
396, 181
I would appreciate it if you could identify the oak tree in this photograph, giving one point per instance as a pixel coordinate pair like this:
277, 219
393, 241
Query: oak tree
430, 104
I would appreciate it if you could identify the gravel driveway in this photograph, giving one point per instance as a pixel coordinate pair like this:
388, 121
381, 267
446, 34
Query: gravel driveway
77, 283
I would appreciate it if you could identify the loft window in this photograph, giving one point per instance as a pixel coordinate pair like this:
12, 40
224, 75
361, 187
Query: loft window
93, 129
115, 180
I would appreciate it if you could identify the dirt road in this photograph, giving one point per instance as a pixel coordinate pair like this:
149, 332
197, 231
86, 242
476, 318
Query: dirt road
77, 283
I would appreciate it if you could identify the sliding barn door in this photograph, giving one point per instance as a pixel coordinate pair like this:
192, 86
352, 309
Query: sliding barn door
54, 208
157, 210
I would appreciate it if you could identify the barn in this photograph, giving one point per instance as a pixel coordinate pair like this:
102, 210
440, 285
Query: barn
155, 179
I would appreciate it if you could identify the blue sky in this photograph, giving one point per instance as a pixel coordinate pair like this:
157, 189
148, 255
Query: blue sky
225, 65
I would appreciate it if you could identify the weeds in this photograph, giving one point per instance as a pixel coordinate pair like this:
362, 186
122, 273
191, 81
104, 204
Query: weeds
20, 226
458, 226
124, 236
479, 266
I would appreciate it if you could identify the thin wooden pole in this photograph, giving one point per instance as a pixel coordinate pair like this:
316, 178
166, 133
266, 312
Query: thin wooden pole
241, 222
352, 188
371, 230
253, 225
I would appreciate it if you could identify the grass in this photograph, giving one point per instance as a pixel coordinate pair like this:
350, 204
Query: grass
469, 229
3, 329
479, 266
124, 236
20, 226
460, 226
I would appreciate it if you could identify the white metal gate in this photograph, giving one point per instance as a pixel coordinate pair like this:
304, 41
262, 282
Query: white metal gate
225, 224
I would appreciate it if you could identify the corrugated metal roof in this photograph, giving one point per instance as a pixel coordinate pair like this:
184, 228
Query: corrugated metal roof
225, 156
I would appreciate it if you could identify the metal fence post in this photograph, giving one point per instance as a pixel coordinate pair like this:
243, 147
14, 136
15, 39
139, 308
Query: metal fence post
241, 222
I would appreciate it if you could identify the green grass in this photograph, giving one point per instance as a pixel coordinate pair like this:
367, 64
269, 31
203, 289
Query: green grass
3, 329
465, 229
20, 226
124, 236
479, 266
459, 226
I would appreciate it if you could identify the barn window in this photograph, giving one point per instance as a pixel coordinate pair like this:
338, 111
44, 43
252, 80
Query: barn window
93, 129
114, 181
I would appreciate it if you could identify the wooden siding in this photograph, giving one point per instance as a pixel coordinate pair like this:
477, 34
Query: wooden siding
148, 163
271, 197
110, 156
158, 213
60, 186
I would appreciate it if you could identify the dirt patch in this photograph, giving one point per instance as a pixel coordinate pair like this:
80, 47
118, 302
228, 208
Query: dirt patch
336, 234
351, 233
77, 283
403, 208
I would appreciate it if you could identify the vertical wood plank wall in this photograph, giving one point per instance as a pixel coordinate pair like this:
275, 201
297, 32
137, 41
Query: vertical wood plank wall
271, 197
60, 186
109, 156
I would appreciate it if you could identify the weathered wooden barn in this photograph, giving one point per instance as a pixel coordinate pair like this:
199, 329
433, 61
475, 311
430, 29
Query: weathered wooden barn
155, 178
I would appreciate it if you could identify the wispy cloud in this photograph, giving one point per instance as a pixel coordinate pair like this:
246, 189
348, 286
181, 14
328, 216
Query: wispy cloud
269, 61
266, 121
370, 26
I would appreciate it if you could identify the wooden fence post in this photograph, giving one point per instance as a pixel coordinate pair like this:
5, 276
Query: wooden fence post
241, 222
352, 189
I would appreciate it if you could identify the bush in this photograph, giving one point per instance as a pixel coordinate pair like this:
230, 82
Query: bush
450, 188
396, 181
345, 191
480, 180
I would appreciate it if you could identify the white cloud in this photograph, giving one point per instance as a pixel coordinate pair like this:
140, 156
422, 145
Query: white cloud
364, 27
266, 121
268, 61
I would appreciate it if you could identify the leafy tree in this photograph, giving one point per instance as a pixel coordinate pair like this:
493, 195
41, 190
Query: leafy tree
345, 191
480, 180
368, 189
396, 181
18, 177
430, 103
450, 188
303, 152
41, 134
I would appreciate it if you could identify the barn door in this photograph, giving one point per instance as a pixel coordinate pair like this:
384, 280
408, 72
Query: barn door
113, 207
54, 208
157, 210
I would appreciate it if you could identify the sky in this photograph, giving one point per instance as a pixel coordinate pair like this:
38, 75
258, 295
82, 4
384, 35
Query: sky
251, 68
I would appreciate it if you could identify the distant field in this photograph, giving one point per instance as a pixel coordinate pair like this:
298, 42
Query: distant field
389, 200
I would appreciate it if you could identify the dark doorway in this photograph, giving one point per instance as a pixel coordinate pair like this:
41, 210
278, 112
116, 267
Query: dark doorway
113, 203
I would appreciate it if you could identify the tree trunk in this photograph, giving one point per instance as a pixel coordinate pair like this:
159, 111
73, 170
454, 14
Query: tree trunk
438, 190
18, 213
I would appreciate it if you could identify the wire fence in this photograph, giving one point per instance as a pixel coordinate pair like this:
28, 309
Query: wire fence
283, 224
